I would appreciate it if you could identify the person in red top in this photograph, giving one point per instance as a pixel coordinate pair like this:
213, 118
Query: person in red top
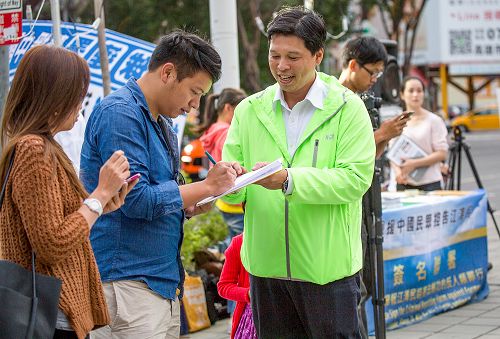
234, 284
219, 111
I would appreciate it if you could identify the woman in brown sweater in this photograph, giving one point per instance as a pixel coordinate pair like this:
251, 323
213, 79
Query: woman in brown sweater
46, 209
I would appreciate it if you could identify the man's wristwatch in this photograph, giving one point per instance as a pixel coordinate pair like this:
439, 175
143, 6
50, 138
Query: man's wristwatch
284, 186
94, 205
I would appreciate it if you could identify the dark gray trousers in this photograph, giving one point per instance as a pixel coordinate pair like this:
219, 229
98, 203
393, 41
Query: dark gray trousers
291, 309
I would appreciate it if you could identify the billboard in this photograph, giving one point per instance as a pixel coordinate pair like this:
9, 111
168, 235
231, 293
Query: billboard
458, 31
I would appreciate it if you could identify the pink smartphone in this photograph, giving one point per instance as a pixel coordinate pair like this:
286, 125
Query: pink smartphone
133, 177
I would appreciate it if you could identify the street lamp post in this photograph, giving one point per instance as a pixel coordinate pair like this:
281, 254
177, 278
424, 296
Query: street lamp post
224, 36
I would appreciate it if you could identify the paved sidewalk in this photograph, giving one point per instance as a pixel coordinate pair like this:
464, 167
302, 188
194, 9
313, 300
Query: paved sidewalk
477, 320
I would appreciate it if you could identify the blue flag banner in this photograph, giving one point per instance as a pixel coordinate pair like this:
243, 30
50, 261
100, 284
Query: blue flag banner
435, 258
128, 57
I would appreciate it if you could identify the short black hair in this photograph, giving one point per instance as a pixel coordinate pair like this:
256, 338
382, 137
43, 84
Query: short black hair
303, 23
365, 50
189, 53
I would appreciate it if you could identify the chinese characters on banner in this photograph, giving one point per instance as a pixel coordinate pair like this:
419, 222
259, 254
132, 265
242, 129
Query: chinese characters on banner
11, 19
471, 30
435, 258
128, 57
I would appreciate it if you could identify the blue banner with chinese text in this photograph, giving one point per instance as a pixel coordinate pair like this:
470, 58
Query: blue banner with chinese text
435, 258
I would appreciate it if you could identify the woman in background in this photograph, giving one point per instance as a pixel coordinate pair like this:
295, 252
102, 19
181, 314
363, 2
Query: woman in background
219, 112
45, 208
426, 130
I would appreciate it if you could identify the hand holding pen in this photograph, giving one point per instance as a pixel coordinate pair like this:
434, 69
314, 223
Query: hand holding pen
211, 158
235, 165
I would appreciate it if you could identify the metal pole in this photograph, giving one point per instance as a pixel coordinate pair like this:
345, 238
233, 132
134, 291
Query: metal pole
443, 74
224, 36
4, 76
103, 52
309, 4
55, 14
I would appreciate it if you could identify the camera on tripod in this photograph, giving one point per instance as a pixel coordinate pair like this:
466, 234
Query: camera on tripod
372, 104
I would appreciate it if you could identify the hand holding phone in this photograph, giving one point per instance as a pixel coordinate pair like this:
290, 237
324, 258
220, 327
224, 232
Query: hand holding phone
133, 177
406, 115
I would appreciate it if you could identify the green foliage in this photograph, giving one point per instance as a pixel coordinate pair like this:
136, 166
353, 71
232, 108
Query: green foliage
332, 12
200, 232
150, 19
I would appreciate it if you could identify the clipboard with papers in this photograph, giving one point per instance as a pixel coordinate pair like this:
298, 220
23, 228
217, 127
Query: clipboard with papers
405, 148
247, 179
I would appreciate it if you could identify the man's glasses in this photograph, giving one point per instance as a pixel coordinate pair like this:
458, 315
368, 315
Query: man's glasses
373, 74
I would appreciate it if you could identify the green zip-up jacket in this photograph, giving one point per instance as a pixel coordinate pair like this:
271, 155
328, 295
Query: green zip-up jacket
312, 234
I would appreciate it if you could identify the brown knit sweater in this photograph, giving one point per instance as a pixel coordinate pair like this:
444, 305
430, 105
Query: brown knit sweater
40, 211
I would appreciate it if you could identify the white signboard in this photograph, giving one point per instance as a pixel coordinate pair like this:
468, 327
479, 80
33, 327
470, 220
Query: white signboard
474, 68
458, 31
470, 30
10, 5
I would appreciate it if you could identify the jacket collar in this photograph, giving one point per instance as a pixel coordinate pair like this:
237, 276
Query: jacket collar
139, 97
315, 96
271, 115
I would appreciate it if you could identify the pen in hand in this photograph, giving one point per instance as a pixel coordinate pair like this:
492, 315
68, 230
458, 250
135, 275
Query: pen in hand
210, 157
239, 170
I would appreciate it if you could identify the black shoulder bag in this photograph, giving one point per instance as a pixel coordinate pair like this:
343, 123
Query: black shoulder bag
29, 300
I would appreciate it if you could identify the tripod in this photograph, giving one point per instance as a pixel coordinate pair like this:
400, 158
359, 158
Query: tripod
372, 204
455, 167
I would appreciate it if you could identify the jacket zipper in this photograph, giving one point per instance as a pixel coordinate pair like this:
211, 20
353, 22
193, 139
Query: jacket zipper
287, 242
315, 153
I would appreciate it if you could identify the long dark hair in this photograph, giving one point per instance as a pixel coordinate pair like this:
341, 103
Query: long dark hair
49, 85
215, 104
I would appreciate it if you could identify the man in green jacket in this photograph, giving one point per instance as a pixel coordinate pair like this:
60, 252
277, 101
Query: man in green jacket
302, 242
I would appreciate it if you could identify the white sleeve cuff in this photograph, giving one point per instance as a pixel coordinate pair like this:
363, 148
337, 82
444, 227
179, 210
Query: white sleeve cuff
289, 189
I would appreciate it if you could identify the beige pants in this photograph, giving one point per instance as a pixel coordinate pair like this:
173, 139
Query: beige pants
138, 312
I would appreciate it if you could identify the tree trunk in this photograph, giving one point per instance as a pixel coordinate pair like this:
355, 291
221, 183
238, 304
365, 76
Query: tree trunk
409, 49
250, 48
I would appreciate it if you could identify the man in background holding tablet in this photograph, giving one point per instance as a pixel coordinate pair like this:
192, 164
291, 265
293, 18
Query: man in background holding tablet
363, 63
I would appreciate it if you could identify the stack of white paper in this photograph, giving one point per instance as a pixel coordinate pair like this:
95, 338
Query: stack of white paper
247, 179
405, 148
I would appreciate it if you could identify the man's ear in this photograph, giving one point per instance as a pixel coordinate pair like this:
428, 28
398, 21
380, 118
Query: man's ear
168, 72
353, 65
319, 56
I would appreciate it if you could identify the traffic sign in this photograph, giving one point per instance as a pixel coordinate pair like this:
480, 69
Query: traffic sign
11, 21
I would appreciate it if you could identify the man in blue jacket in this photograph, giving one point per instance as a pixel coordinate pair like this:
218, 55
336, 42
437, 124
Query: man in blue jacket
137, 248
